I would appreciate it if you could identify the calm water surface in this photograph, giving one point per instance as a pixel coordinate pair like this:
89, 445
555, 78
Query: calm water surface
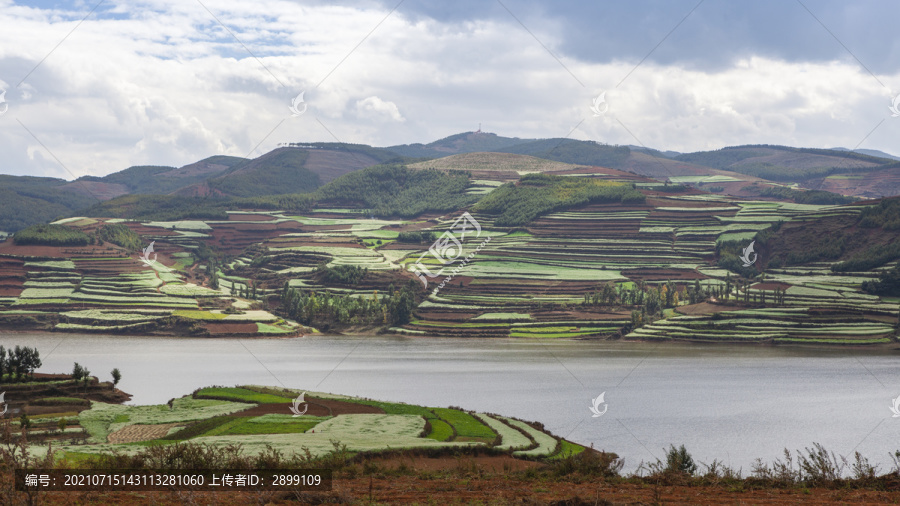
733, 403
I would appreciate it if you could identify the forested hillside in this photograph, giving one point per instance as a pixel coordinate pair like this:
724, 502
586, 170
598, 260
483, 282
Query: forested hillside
516, 204
783, 163
384, 190
26, 200
163, 179
395, 190
864, 241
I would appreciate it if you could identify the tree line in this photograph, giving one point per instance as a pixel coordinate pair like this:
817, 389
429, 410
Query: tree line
653, 300
324, 308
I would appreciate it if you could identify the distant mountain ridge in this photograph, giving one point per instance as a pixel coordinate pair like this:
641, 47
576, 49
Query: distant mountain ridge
870, 152
294, 168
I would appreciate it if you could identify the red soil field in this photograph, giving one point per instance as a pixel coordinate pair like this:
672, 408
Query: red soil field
662, 274
249, 217
221, 329
617, 174
154, 231
705, 308
8, 247
663, 202
317, 407
770, 285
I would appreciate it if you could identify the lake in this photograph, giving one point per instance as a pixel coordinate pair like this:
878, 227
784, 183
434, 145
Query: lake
730, 402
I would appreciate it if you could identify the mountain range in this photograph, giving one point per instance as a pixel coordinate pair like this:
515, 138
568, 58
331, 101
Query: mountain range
759, 171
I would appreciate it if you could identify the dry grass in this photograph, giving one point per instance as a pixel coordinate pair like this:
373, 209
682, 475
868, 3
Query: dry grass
134, 433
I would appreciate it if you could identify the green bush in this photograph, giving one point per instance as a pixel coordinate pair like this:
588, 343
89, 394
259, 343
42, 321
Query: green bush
679, 461
587, 463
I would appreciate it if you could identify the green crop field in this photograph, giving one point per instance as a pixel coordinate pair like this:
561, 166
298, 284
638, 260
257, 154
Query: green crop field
466, 425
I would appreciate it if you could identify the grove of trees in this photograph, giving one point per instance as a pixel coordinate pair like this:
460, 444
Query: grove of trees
19, 363
325, 308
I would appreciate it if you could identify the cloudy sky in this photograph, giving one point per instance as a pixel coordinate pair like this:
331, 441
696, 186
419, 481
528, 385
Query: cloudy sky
94, 88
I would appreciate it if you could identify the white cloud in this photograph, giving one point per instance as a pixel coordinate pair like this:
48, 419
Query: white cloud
376, 108
167, 85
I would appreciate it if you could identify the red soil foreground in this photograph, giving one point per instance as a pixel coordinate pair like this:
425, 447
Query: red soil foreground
460, 484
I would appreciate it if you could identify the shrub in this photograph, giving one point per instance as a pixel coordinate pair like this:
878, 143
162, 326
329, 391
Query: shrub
589, 463
679, 464
680, 461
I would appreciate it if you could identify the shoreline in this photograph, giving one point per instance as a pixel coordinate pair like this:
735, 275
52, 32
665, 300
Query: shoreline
889, 346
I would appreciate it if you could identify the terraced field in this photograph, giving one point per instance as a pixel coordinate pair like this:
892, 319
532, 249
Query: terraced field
259, 417
584, 272
108, 289
540, 281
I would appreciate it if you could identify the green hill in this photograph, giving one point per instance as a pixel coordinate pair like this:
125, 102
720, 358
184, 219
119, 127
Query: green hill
149, 179
783, 163
395, 190
385, 190
279, 171
27, 200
